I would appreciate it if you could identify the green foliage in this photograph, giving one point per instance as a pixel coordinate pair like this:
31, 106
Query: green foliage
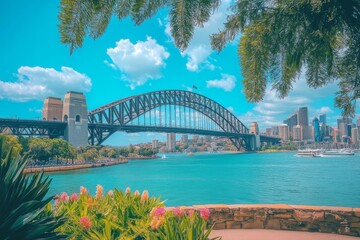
116, 215
10, 142
179, 225
146, 152
40, 149
22, 204
91, 154
280, 39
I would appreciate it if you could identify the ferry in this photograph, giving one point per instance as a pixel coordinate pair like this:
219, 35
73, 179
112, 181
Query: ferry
341, 152
308, 153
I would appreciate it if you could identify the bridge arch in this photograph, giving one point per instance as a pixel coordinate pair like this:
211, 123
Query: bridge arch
106, 120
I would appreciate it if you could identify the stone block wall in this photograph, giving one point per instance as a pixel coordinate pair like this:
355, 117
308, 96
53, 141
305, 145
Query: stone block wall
339, 220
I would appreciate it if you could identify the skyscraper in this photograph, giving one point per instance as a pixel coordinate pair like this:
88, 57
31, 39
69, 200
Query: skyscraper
322, 118
302, 116
316, 126
291, 122
184, 138
297, 133
284, 132
358, 122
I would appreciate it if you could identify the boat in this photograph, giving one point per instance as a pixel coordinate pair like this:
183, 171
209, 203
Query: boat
335, 152
190, 154
163, 156
308, 153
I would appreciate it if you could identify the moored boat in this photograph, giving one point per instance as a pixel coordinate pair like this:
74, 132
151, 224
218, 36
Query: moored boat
308, 153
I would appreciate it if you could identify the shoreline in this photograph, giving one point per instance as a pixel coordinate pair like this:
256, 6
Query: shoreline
70, 167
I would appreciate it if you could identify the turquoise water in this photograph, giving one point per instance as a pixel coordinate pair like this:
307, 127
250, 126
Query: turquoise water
228, 179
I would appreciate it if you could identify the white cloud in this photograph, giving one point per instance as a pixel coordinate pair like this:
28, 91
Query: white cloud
325, 109
37, 83
138, 62
231, 109
227, 83
199, 49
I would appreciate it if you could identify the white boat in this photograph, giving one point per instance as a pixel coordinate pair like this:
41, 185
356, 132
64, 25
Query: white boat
163, 156
341, 152
308, 153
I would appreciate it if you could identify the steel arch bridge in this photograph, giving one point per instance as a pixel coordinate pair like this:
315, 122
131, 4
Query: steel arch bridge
176, 105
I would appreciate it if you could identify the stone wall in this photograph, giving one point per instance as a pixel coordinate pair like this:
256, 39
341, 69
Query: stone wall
340, 220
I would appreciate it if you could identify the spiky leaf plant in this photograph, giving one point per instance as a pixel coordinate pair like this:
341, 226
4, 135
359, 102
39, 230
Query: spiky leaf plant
23, 205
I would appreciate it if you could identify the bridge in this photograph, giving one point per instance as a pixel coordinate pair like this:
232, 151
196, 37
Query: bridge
170, 111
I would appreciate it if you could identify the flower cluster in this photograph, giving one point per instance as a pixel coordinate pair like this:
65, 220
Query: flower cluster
157, 217
85, 223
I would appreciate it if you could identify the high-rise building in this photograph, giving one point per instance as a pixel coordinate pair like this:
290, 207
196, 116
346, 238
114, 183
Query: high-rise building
317, 133
291, 122
155, 144
254, 128
322, 118
284, 132
207, 138
358, 122
302, 116
184, 139
355, 136
343, 126
53, 109
170, 142
275, 131
195, 138
297, 133
268, 131
349, 127
336, 136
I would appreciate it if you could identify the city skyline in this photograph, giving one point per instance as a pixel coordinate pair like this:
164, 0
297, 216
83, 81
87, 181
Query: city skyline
103, 69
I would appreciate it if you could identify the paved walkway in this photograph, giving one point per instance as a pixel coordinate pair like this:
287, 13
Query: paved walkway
262, 234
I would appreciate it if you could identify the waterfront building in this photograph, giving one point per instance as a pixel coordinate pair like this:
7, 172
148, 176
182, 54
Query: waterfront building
297, 133
284, 132
316, 126
53, 109
355, 136
302, 116
184, 139
291, 122
170, 142
155, 144
275, 131
207, 139
322, 119
342, 126
336, 136
254, 128
349, 127
195, 138
358, 122
268, 131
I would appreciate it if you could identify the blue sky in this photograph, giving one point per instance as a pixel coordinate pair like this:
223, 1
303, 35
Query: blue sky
129, 60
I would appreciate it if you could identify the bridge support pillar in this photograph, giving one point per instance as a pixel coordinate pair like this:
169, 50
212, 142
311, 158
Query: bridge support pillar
75, 114
255, 142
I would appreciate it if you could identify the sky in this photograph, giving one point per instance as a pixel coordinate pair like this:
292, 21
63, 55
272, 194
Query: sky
129, 60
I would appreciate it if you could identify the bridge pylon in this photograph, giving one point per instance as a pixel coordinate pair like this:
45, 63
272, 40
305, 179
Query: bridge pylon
75, 113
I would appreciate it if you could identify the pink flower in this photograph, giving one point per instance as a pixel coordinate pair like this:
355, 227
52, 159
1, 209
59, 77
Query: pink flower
191, 213
83, 190
178, 212
204, 213
56, 202
110, 193
128, 191
64, 197
160, 212
85, 223
137, 193
144, 196
74, 197
99, 191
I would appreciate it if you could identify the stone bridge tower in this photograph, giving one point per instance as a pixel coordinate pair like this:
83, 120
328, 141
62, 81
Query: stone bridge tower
75, 114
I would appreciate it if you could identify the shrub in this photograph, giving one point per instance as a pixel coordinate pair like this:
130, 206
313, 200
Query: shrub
23, 210
115, 215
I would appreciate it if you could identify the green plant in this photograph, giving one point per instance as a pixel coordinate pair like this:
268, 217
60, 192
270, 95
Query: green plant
180, 224
115, 215
23, 210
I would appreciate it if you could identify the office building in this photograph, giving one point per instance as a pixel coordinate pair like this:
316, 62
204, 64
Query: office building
291, 122
284, 132
170, 142
302, 116
275, 131
322, 119
268, 131
184, 139
155, 144
317, 133
297, 133
355, 136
